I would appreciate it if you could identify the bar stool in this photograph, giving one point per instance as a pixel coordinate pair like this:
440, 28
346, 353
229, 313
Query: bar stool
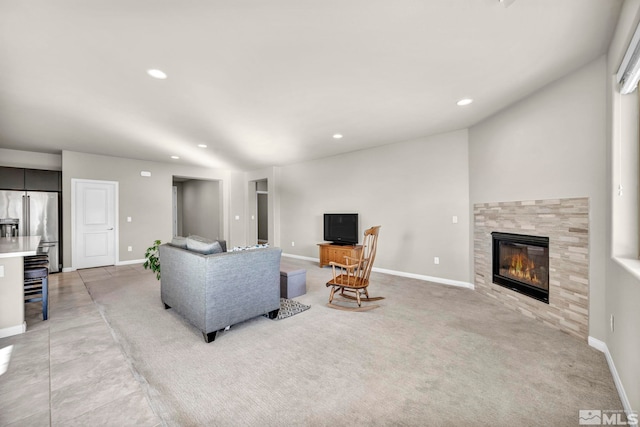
36, 282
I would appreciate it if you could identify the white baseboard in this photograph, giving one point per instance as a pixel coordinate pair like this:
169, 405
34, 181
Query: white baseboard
401, 274
598, 345
306, 258
602, 346
425, 278
13, 330
132, 261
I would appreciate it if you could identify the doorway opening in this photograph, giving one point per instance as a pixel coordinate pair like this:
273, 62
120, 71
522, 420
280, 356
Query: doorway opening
259, 211
197, 208
263, 216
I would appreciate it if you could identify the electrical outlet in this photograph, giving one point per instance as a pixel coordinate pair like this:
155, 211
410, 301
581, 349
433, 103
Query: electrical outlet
454, 219
613, 323
293, 243
130, 248
128, 219
1, 270
436, 260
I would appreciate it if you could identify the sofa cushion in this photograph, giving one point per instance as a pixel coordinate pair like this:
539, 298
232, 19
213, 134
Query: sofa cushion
203, 245
179, 241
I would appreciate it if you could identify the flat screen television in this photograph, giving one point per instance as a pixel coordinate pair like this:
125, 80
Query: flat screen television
341, 228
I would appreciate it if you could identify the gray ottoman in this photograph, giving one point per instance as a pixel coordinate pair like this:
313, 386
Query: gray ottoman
293, 282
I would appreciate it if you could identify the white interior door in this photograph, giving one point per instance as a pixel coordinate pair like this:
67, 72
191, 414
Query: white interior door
94, 223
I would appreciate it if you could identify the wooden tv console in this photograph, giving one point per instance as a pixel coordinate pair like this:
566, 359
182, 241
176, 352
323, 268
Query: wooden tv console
330, 252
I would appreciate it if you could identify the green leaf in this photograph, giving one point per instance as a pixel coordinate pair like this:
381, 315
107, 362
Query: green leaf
153, 259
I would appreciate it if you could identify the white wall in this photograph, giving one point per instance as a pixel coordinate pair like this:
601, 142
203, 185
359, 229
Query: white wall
237, 228
179, 205
623, 268
551, 145
412, 189
147, 200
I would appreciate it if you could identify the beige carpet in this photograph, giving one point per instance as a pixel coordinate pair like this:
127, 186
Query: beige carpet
430, 355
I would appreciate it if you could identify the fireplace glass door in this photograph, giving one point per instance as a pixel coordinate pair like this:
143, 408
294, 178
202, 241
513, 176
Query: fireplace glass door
521, 263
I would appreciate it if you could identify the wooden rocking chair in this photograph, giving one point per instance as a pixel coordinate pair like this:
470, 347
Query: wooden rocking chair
353, 276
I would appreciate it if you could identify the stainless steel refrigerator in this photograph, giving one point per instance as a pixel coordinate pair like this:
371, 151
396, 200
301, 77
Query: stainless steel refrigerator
37, 213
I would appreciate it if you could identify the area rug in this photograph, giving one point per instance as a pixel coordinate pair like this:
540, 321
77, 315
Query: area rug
289, 307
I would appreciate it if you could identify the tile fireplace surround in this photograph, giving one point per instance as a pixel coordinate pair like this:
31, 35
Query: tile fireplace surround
566, 223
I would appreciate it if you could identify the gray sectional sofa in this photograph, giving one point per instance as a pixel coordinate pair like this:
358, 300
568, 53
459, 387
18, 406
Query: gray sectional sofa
213, 291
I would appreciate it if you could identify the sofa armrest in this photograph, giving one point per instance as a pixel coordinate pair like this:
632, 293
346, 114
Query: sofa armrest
183, 282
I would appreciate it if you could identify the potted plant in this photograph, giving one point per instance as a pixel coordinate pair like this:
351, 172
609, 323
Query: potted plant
153, 258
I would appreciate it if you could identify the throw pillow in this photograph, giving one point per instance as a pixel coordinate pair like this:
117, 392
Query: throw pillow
203, 246
179, 241
216, 248
223, 245
248, 248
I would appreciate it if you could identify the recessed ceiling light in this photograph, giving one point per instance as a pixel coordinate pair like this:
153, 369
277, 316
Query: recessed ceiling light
465, 101
506, 3
157, 74
337, 136
202, 145
175, 157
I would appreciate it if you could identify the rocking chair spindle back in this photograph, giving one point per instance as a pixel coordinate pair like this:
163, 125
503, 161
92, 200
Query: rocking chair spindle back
352, 277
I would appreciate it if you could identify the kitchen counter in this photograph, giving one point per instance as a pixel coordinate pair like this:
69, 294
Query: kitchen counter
12, 253
18, 246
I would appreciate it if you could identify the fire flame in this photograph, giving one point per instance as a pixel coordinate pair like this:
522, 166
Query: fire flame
523, 268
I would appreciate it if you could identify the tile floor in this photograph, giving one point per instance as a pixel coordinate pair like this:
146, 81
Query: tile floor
69, 370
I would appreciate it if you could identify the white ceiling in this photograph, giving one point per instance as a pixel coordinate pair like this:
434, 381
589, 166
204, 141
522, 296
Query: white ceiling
266, 83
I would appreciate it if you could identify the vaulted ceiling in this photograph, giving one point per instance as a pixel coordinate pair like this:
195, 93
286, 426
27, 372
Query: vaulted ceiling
264, 83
